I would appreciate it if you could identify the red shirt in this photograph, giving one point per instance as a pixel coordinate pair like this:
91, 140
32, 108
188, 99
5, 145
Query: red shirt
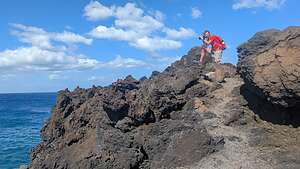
216, 42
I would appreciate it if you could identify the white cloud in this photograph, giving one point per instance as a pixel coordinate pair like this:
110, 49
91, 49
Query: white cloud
129, 10
53, 76
268, 4
44, 54
32, 35
127, 16
119, 62
69, 37
196, 13
182, 33
156, 43
40, 38
34, 58
138, 40
103, 32
96, 11
68, 27
133, 18
140, 30
146, 24
96, 78
56, 76
7, 76
159, 15
165, 59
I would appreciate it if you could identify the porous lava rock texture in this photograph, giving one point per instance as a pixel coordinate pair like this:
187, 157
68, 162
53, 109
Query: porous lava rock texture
145, 123
188, 116
269, 63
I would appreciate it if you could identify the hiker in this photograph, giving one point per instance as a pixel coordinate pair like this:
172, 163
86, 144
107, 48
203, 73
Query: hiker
216, 49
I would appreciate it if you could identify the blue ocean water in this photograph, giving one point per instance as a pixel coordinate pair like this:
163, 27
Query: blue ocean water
21, 118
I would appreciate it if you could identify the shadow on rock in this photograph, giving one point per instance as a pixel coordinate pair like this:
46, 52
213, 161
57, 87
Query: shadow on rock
270, 112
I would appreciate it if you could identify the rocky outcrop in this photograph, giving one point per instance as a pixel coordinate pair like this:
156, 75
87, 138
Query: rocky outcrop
269, 63
131, 124
188, 116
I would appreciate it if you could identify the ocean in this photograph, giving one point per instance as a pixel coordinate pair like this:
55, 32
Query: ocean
21, 118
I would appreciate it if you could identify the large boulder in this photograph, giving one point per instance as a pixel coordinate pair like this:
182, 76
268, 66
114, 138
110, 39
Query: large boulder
269, 63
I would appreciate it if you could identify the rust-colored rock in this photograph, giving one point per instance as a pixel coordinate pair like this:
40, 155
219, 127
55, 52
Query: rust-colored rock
270, 65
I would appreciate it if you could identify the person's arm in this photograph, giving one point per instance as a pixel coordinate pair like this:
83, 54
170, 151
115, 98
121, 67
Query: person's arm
200, 37
207, 41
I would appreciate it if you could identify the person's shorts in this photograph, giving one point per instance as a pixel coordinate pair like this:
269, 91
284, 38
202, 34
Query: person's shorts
217, 55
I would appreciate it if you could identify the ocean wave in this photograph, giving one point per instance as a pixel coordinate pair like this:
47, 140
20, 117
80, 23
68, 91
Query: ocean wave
41, 110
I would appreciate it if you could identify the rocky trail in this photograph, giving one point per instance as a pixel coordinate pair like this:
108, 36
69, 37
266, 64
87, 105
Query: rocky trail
236, 154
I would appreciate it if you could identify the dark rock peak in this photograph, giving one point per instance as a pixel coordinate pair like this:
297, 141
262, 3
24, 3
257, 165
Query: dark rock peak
131, 123
264, 40
171, 119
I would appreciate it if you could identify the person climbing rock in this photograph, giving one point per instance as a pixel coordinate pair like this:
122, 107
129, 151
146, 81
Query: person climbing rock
216, 49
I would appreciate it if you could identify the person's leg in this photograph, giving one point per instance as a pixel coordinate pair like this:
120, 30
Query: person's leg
217, 56
202, 54
204, 51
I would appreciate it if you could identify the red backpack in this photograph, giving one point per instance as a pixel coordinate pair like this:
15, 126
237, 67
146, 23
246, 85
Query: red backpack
218, 42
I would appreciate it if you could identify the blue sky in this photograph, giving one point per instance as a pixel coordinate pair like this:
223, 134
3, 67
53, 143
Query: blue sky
52, 44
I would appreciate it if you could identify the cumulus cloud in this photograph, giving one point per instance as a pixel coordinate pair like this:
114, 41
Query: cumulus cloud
69, 37
119, 62
139, 40
44, 54
95, 11
139, 28
56, 76
156, 43
103, 32
96, 78
132, 17
34, 58
127, 16
47, 51
40, 38
32, 35
182, 33
159, 15
196, 13
165, 59
267, 4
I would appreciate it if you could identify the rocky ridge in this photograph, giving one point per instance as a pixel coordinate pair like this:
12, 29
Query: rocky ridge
187, 116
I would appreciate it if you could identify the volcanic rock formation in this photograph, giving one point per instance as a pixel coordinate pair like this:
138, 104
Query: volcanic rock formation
130, 124
269, 63
187, 116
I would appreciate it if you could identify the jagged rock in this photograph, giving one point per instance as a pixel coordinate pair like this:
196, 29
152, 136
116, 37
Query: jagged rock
270, 65
220, 72
143, 78
200, 105
130, 124
174, 119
